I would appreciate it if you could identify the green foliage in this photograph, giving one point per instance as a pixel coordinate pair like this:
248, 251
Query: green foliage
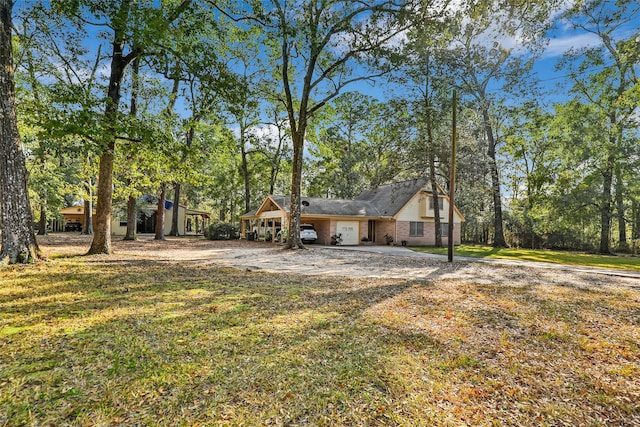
210, 95
221, 231
346, 148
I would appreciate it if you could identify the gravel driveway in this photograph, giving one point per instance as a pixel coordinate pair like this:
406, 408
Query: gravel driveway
359, 261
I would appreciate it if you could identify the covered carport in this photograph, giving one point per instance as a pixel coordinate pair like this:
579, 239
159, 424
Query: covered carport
265, 222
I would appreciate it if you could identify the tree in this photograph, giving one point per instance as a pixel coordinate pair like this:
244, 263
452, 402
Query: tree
535, 153
138, 27
487, 68
611, 90
19, 243
426, 78
340, 140
315, 44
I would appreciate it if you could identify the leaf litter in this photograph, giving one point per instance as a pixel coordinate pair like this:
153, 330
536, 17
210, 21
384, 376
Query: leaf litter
180, 333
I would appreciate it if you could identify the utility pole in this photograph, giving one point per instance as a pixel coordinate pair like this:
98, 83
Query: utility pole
452, 178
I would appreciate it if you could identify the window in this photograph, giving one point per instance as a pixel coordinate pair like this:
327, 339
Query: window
444, 229
431, 203
416, 229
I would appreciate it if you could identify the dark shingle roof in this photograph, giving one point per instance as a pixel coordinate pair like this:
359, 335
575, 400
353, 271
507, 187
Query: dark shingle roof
390, 198
384, 201
321, 206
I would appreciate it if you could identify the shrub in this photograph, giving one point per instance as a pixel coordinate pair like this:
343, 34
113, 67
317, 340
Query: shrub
221, 231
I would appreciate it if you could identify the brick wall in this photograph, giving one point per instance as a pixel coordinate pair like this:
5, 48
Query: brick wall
385, 227
429, 235
364, 230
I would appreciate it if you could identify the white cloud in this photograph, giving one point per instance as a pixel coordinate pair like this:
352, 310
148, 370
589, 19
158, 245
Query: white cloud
560, 45
266, 134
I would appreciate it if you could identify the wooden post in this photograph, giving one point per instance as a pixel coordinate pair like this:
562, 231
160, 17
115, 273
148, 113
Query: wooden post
452, 178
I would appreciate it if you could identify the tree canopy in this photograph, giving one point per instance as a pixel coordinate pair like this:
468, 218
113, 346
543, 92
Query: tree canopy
217, 104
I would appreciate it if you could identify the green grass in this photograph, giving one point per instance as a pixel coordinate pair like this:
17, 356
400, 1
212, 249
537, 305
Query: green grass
89, 342
625, 262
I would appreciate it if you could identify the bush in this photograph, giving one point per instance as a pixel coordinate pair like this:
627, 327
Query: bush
221, 231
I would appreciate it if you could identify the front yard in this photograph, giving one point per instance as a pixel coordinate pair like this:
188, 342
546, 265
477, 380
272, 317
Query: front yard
137, 340
622, 261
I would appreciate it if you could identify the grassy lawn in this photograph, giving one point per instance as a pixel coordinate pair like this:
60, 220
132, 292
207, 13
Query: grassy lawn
88, 341
626, 262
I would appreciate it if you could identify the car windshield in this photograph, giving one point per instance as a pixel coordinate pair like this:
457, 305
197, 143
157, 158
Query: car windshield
306, 227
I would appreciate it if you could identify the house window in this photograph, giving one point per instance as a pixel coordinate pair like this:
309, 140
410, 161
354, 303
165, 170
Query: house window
416, 229
431, 203
444, 229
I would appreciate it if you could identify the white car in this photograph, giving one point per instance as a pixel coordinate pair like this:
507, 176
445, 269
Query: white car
308, 233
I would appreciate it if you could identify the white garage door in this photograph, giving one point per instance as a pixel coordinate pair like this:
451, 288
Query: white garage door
350, 232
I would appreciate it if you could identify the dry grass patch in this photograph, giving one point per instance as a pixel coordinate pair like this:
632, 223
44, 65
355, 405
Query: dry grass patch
109, 341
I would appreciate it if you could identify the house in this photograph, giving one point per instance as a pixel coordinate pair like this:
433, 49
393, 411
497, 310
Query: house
190, 221
401, 212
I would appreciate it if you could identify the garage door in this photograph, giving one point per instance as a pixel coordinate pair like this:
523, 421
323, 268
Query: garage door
350, 232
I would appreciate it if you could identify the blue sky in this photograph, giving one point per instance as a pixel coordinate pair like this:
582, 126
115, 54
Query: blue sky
564, 37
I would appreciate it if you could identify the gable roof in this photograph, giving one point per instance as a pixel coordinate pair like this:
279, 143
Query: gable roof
389, 199
77, 209
384, 201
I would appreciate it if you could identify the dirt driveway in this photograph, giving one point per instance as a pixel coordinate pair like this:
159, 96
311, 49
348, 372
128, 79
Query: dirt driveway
329, 261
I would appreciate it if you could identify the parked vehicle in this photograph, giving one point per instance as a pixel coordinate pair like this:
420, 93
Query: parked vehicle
308, 233
73, 226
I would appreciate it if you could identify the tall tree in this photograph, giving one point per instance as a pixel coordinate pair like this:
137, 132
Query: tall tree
136, 27
340, 142
19, 243
488, 65
426, 77
534, 151
315, 45
611, 89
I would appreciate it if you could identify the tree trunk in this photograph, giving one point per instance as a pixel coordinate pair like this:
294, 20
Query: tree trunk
432, 172
605, 208
160, 214
635, 219
19, 243
275, 162
101, 243
42, 224
294, 240
498, 234
88, 218
175, 230
88, 210
623, 245
177, 189
132, 213
132, 219
436, 200
245, 176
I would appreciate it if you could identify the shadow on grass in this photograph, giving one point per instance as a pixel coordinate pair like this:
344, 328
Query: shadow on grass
147, 342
